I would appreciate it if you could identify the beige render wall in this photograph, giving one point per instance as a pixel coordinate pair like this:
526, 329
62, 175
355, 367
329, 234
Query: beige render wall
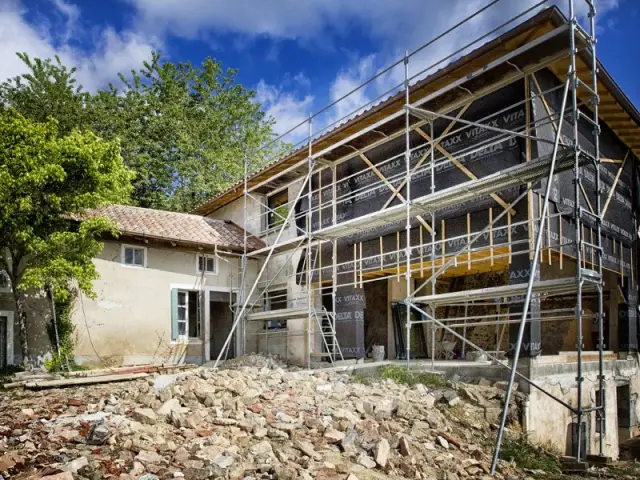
291, 345
38, 310
129, 322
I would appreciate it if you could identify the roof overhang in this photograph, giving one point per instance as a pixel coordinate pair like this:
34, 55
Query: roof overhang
540, 42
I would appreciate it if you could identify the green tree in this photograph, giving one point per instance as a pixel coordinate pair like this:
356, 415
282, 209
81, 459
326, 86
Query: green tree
47, 90
183, 129
46, 182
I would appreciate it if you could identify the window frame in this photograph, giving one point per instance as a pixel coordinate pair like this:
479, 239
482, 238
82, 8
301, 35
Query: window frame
207, 256
186, 338
134, 247
273, 221
275, 324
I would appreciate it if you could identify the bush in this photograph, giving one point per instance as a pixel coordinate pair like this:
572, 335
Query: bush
528, 455
401, 374
66, 335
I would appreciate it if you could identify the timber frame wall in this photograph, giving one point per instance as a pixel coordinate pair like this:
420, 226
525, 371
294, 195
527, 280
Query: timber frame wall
393, 190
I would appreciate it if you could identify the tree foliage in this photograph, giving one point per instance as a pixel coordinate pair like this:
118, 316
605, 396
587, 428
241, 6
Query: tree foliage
46, 179
183, 129
47, 90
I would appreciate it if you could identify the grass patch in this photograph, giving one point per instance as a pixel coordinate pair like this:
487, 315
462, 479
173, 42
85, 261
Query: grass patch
528, 455
400, 374
359, 378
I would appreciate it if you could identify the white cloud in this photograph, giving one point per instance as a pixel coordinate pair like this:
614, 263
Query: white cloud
289, 110
72, 12
393, 28
111, 52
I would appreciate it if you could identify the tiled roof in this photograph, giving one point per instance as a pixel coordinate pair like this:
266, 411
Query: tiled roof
177, 227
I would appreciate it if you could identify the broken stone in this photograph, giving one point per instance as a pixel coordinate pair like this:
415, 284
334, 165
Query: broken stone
98, 435
451, 397
348, 443
145, 415
382, 451
366, 461
261, 449
168, 406
442, 442
75, 465
59, 476
147, 457
223, 461
331, 435
306, 448
403, 446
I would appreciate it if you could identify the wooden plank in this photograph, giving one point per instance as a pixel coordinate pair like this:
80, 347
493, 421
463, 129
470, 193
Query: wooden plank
428, 152
444, 240
509, 236
464, 170
491, 235
72, 382
614, 185
391, 187
469, 240
560, 238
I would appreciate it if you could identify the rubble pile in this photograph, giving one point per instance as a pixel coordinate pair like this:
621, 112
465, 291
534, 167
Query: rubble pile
251, 422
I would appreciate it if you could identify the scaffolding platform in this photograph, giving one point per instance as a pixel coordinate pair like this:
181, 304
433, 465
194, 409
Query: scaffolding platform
521, 174
560, 286
283, 314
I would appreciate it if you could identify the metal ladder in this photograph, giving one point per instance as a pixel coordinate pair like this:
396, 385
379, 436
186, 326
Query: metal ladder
326, 322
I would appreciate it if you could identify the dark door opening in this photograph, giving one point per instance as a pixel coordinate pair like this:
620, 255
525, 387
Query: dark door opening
221, 321
4, 361
623, 403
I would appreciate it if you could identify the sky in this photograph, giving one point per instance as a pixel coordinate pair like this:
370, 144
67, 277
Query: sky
298, 55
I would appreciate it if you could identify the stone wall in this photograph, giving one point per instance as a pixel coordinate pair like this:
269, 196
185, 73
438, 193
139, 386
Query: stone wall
549, 422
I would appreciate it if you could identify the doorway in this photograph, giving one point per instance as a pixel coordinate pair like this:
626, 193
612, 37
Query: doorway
4, 336
220, 324
623, 404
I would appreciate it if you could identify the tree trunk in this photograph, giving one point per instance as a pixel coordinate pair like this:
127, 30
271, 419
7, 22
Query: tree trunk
22, 322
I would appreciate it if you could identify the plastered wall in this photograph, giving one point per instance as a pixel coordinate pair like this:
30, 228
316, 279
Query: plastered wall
38, 310
549, 422
129, 321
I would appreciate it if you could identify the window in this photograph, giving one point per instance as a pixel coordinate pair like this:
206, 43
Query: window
278, 209
134, 256
186, 315
207, 264
276, 300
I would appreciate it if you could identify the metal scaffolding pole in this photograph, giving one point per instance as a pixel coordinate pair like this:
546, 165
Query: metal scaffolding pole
527, 300
601, 410
245, 303
407, 201
309, 272
573, 76
408, 207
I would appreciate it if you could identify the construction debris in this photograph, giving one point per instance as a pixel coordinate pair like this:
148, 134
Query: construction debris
247, 422
41, 380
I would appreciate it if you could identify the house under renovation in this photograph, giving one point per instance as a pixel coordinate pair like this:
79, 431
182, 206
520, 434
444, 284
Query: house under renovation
485, 208
479, 218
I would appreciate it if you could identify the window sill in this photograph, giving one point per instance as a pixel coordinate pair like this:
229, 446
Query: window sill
207, 274
187, 341
141, 267
274, 231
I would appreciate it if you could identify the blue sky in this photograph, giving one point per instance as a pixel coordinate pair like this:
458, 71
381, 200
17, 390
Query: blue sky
297, 54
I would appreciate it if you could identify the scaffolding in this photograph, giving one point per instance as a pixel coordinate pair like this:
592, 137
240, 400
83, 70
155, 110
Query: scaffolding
311, 236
